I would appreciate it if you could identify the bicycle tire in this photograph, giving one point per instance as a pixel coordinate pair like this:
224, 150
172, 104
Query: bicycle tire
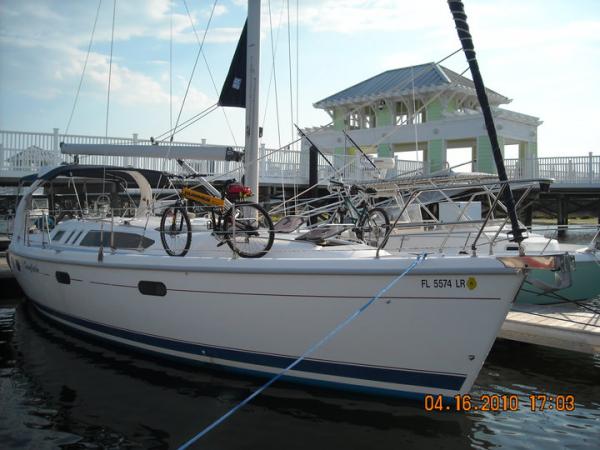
165, 232
233, 236
371, 223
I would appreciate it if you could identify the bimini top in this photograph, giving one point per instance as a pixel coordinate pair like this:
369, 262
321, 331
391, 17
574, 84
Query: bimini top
155, 178
429, 77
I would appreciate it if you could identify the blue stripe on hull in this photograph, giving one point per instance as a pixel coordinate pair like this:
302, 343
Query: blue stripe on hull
397, 376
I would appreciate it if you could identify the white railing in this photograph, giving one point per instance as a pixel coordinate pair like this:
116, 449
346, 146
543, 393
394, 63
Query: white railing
563, 169
22, 153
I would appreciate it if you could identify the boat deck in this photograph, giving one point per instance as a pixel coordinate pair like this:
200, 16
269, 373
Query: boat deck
564, 326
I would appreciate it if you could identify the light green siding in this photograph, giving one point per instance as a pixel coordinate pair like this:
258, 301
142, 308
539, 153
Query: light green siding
434, 110
383, 118
485, 158
436, 154
339, 116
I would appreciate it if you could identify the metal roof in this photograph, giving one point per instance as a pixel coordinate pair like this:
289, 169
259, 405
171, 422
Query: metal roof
396, 82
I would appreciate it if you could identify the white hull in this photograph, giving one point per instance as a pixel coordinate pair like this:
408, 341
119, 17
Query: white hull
259, 315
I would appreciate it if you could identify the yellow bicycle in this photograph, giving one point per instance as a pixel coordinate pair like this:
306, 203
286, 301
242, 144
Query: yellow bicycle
244, 226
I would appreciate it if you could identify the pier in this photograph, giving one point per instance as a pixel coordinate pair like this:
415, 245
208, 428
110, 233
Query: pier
568, 327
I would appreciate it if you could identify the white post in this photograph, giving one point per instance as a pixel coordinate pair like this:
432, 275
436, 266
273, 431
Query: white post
134, 161
1, 156
55, 145
590, 168
263, 162
252, 78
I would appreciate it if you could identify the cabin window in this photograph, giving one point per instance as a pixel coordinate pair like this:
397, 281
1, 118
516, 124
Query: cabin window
69, 237
155, 288
58, 235
121, 240
77, 236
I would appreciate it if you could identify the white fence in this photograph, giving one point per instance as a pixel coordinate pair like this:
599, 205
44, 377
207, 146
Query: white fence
22, 153
580, 170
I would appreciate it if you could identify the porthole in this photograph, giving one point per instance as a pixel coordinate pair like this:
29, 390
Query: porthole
155, 288
63, 278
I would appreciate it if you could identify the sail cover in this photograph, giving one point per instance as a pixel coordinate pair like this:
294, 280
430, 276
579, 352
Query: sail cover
234, 88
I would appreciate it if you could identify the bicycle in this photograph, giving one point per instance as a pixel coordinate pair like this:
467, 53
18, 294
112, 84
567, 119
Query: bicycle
353, 208
244, 226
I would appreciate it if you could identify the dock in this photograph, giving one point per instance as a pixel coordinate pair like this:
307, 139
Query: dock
565, 326
5, 272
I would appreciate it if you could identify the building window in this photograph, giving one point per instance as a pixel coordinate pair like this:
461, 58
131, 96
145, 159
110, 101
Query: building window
369, 118
419, 112
401, 114
354, 121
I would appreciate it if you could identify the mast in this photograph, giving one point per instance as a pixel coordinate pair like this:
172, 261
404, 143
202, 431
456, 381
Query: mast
462, 27
252, 79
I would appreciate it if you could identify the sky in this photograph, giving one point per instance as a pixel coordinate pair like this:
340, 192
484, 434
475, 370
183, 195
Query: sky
543, 54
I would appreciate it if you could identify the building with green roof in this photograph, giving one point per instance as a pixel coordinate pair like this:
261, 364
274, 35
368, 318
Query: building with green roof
428, 108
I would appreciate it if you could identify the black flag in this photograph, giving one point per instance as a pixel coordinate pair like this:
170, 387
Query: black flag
234, 88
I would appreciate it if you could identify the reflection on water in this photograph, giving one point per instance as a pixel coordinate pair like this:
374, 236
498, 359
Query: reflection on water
59, 390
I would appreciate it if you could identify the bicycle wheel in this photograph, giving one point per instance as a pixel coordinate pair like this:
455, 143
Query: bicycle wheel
175, 231
373, 226
248, 230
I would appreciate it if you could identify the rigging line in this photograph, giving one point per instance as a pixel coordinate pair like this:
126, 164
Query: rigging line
87, 56
316, 130
414, 116
171, 67
297, 61
212, 79
419, 259
290, 69
187, 89
322, 127
166, 134
423, 107
112, 41
274, 79
289, 31
183, 127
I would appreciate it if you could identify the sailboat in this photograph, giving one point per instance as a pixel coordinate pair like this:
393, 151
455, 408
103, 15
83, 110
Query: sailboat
110, 278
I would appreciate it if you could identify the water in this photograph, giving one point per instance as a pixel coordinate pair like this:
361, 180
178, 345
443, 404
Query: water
59, 390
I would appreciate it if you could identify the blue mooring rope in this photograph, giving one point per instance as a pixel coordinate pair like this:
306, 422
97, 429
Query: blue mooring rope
420, 258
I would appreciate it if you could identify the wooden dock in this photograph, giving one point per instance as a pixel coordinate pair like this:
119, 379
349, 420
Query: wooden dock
5, 272
564, 326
